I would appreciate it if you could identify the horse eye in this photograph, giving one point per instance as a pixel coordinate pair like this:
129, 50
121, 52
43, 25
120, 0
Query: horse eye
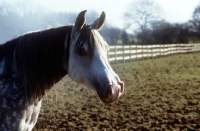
82, 52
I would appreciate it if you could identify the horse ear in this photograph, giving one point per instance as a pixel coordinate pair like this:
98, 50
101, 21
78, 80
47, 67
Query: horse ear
80, 20
98, 24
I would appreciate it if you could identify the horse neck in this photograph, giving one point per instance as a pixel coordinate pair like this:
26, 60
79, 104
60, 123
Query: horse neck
40, 59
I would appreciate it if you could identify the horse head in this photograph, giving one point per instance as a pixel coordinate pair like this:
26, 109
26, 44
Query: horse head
88, 61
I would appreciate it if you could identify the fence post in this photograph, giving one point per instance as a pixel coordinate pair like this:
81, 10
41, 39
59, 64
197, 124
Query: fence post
151, 51
142, 51
170, 50
160, 50
115, 54
198, 47
147, 53
136, 52
130, 53
123, 54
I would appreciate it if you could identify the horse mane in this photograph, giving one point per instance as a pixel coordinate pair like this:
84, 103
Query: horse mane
38, 58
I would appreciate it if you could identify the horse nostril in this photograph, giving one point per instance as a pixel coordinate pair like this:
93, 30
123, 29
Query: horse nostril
109, 91
112, 93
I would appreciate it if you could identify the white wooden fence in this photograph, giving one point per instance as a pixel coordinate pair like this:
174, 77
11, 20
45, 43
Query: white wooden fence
128, 52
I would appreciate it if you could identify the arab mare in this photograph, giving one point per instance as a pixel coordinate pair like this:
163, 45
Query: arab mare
32, 63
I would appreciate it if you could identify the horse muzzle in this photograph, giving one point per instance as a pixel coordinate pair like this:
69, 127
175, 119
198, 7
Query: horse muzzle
112, 93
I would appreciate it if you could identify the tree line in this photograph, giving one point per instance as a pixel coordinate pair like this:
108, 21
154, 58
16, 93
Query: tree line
14, 23
151, 28
143, 19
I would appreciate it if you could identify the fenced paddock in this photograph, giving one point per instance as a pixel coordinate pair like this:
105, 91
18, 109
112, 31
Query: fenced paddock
118, 53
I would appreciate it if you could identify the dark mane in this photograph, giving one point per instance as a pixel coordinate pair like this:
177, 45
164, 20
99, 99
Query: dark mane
38, 58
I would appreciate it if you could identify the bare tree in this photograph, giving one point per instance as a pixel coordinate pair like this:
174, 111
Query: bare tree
196, 20
141, 14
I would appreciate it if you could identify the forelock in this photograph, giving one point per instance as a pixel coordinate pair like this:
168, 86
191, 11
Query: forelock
91, 37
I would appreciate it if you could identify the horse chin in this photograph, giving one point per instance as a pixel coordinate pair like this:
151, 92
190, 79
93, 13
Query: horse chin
109, 100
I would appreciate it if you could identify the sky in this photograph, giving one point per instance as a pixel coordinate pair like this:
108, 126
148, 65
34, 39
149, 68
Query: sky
175, 11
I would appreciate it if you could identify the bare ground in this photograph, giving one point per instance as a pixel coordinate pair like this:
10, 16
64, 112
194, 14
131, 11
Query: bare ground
160, 94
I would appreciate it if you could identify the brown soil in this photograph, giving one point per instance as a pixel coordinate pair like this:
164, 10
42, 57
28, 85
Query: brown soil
160, 94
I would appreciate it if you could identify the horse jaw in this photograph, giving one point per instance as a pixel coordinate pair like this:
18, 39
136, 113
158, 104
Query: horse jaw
105, 81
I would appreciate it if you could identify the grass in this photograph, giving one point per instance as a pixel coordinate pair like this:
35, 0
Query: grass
160, 94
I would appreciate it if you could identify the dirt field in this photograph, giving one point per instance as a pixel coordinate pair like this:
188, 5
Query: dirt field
160, 94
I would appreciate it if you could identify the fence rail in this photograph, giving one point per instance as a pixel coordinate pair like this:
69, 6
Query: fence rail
128, 52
